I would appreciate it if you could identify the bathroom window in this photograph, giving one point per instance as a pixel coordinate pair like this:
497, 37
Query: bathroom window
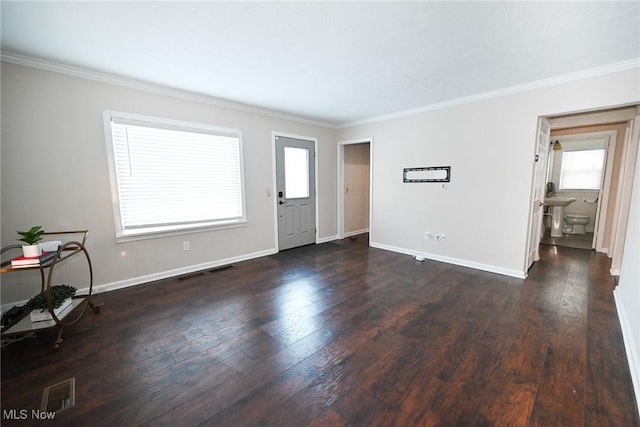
582, 170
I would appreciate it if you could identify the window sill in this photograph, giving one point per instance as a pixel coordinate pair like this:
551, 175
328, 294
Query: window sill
132, 236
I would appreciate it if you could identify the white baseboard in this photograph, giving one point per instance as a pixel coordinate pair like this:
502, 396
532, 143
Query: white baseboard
633, 358
355, 233
455, 261
326, 239
176, 272
134, 281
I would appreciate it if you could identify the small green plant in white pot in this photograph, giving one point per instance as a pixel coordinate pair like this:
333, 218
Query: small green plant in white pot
31, 237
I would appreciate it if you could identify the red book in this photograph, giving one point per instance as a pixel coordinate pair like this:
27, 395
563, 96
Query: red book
23, 261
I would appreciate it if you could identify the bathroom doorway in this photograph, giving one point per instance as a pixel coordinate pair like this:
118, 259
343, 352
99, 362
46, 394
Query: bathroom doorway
580, 168
613, 215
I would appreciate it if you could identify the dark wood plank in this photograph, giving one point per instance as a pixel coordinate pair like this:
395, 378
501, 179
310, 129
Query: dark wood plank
607, 374
341, 334
561, 397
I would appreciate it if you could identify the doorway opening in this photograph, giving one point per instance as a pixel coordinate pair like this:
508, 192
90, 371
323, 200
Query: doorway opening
581, 167
606, 205
354, 187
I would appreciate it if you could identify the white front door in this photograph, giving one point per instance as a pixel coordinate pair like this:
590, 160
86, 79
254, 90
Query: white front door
296, 198
539, 190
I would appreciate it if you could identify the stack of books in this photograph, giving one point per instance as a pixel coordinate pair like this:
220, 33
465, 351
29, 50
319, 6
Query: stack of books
24, 262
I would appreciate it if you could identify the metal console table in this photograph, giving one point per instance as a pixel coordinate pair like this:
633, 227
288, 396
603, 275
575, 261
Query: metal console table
79, 304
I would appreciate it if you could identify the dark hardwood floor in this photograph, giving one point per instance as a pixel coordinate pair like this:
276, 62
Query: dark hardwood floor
577, 241
341, 334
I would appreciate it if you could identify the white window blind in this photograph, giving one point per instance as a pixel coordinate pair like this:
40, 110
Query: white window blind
174, 176
581, 170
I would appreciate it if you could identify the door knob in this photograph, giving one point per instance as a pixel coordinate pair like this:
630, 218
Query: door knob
281, 202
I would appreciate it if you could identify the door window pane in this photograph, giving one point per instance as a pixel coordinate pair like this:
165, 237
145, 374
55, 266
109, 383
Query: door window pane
296, 172
581, 170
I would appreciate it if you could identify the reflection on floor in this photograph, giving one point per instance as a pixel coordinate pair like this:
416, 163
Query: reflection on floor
313, 250
577, 241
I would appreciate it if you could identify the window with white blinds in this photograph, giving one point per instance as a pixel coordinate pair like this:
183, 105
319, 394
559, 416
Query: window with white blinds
582, 170
171, 176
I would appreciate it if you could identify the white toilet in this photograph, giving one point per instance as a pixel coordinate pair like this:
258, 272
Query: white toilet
576, 223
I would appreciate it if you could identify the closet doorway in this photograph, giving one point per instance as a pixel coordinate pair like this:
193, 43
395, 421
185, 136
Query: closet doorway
354, 187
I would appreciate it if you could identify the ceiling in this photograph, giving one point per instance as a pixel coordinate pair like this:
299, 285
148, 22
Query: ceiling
335, 62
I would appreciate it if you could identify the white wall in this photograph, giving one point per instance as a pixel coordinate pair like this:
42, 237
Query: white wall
627, 293
489, 145
52, 128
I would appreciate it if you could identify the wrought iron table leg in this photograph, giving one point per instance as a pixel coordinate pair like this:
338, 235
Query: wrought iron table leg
58, 343
95, 307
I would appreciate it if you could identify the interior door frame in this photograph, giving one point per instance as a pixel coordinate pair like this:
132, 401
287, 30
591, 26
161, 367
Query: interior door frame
625, 185
540, 170
340, 180
625, 181
272, 192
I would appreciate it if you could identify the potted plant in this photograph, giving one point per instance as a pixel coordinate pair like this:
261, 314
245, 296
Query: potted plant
60, 299
31, 238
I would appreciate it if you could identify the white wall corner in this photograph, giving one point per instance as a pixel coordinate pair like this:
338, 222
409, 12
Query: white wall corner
326, 239
355, 233
633, 359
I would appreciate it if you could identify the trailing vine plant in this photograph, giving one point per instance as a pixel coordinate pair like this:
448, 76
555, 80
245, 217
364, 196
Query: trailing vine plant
59, 293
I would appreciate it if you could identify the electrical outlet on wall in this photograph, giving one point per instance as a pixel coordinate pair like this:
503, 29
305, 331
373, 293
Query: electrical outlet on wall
186, 246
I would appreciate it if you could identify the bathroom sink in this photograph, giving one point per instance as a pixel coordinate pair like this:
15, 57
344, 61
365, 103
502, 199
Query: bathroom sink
559, 201
557, 212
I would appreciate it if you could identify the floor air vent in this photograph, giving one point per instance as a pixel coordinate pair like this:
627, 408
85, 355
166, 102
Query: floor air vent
59, 397
223, 268
191, 276
202, 273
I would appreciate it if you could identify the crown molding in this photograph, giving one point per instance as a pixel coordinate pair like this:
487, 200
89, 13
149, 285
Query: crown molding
113, 79
565, 78
60, 68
